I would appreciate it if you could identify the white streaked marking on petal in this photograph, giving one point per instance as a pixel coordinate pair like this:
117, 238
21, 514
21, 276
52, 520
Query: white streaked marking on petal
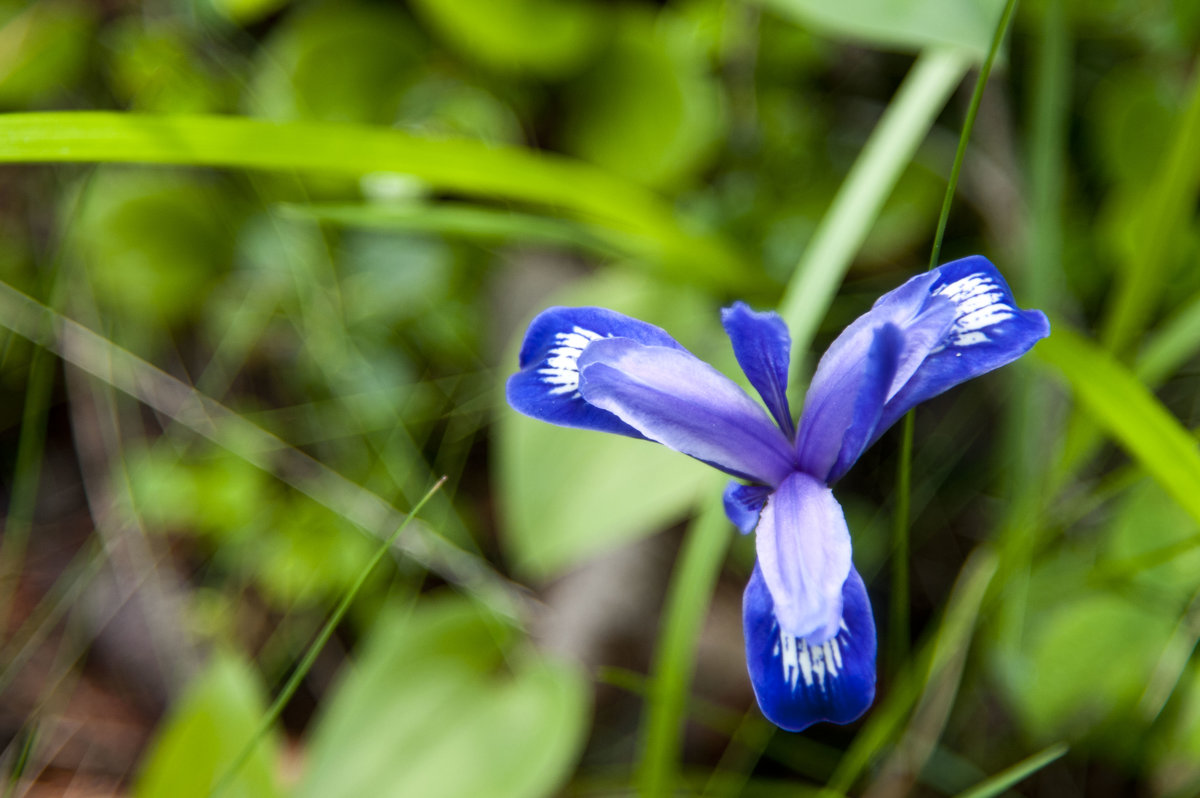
806, 663
562, 366
980, 304
812, 663
789, 660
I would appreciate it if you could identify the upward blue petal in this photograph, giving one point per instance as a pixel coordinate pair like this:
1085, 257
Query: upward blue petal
799, 682
843, 407
763, 348
547, 386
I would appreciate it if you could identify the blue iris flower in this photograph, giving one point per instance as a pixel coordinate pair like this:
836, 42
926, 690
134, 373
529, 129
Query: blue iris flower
810, 637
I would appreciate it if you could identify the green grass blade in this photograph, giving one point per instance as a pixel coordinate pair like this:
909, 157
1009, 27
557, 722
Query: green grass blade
310, 656
1128, 411
1016, 773
559, 184
862, 194
467, 221
1176, 340
1168, 206
898, 632
924, 694
1029, 425
26, 475
692, 584
968, 124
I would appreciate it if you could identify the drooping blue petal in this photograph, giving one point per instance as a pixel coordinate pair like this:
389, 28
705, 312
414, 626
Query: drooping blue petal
988, 331
547, 386
743, 503
671, 396
843, 407
763, 346
803, 549
799, 682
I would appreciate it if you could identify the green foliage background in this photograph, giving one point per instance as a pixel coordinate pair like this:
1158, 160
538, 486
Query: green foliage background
264, 265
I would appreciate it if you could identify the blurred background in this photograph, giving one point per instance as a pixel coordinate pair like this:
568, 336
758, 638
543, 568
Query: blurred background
252, 315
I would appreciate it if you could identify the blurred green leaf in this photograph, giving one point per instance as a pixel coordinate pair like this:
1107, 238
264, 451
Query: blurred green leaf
444, 703
154, 243
1129, 412
1173, 341
967, 24
648, 110
1145, 522
513, 173
43, 49
246, 12
338, 62
160, 67
547, 38
217, 715
1087, 663
566, 494
1175, 751
1157, 222
296, 551
219, 492
1128, 121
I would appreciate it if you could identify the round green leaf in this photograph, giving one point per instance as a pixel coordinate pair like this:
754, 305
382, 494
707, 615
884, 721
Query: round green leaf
648, 109
205, 732
445, 703
548, 38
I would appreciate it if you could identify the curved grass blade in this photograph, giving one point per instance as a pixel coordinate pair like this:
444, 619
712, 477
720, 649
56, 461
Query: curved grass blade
1019, 772
845, 225
898, 628
468, 221
310, 656
555, 183
925, 693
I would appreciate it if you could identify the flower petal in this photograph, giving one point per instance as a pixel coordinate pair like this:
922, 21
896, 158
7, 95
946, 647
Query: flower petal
763, 348
958, 321
671, 396
988, 331
803, 549
844, 405
547, 386
799, 682
743, 503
